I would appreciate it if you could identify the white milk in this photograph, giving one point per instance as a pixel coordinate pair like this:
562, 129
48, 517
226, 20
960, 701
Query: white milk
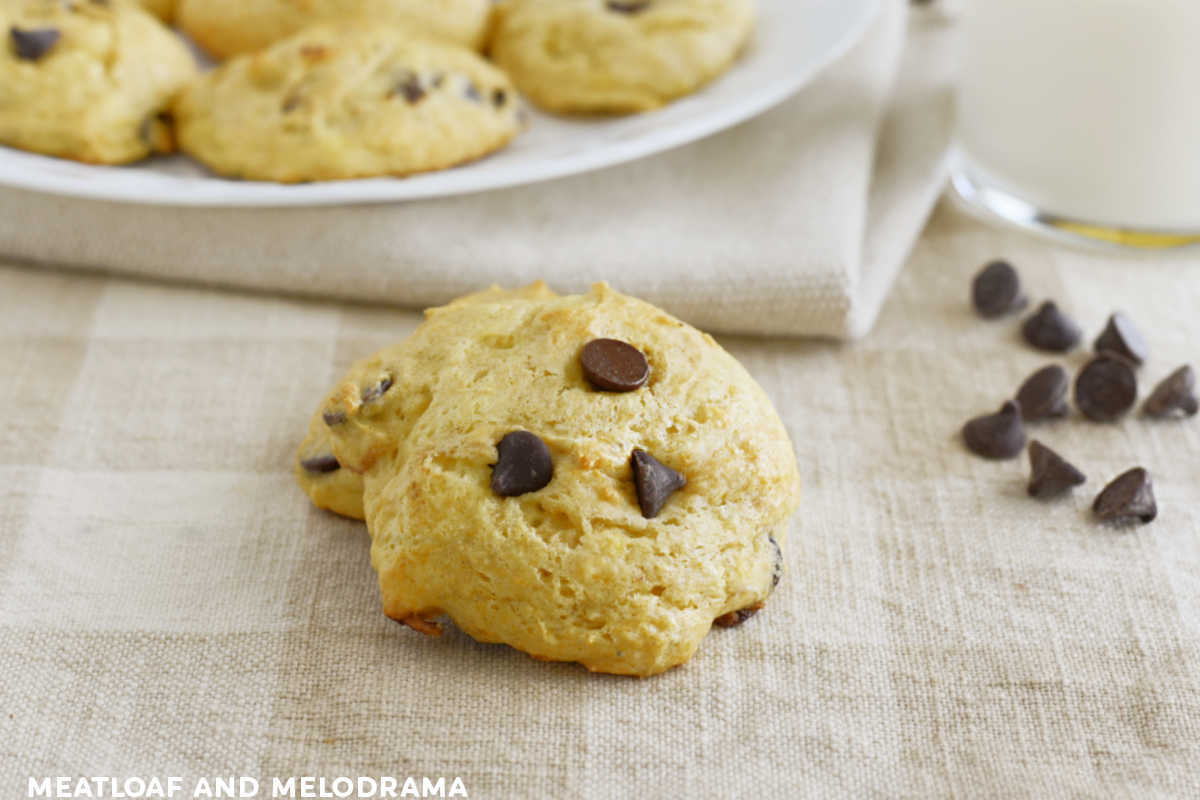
1087, 108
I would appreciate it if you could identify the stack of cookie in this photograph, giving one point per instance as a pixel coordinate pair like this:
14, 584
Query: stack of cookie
335, 89
582, 477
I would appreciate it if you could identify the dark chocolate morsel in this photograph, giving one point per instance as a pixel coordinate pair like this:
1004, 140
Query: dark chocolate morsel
524, 465
1043, 395
735, 618
1174, 395
999, 435
1106, 388
499, 97
777, 570
32, 44
1129, 496
627, 6
373, 393
471, 92
320, 464
1122, 337
409, 87
1050, 473
1050, 329
332, 418
996, 290
655, 482
613, 365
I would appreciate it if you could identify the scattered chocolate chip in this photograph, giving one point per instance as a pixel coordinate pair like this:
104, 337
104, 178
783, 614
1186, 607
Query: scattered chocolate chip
321, 464
996, 290
1050, 329
655, 482
499, 97
31, 45
1129, 496
471, 92
1050, 473
735, 618
1122, 337
291, 103
777, 570
613, 365
999, 435
1043, 395
524, 465
1105, 388
373, 393
333, 417
1175, 395
627, 6
409, 87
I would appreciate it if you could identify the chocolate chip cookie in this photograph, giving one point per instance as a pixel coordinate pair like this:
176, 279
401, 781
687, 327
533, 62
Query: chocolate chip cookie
595, 503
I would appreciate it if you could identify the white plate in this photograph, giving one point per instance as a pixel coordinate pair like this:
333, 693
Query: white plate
794, 41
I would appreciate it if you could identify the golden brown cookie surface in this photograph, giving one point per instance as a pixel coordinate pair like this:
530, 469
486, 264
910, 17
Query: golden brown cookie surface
503, 487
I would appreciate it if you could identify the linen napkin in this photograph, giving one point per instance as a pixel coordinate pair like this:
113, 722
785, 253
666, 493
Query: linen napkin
794, 223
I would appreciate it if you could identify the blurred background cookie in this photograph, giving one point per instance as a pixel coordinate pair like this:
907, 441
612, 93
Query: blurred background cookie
614, 56
227, 27
88, 81
347, 101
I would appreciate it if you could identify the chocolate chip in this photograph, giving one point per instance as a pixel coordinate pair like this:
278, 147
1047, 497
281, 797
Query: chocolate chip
655, 482
291, 103
31, 45
1050, 473
471, 92
735, 618
996, 290
499, 97
1175, 395
333, 417
409, 87
1105, 388
1043, 395
613, 365
777, 569
1130, 496
320, 464
999, 435
524, 465
373, 393
1122, 337
627, 6
1050, 329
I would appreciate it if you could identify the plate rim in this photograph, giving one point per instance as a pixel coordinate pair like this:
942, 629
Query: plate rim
381, 190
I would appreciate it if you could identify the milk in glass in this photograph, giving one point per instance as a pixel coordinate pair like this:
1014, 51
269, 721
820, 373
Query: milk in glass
1087, 109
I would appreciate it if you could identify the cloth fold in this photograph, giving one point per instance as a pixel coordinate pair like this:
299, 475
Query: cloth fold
794, 223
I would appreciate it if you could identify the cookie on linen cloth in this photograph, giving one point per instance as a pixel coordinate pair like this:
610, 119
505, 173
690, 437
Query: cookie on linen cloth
88, 80
226, 28
346, 101
614, 56
629, 522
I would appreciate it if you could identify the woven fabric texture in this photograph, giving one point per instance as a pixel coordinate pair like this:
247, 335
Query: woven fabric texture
170, 604
794, 223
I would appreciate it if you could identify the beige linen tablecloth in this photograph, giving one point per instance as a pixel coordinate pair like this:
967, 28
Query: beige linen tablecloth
170, 605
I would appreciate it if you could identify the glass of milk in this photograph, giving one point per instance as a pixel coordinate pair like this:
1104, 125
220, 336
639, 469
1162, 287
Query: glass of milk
1082, 117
